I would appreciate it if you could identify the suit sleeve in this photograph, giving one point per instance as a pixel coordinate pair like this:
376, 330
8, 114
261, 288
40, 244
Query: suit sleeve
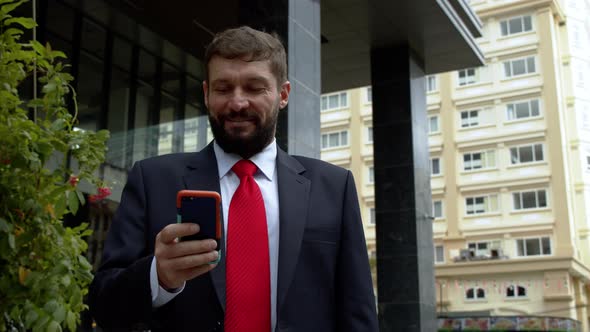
120, 295
354, 288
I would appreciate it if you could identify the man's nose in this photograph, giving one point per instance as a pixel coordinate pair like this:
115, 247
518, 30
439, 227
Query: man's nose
238, 101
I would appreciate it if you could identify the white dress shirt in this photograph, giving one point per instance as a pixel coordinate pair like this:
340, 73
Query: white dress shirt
266, 178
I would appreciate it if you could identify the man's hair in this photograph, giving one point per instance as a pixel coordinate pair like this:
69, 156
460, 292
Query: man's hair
248, 44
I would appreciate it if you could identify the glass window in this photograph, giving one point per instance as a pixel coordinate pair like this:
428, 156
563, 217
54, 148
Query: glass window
437, 209
372, 216
369, 94
529, 199
533, 247
518, 67
435, 166
93, 38
60, 20
470, 118
523, 109
171, 80
335, 139
516, 25
431, 83
481, 204
433, 126
479, 160
118, 118
371, 175
89, 91
369, 134
475, 294
515, 291
526, 154
334, 101
468, 76
439, 254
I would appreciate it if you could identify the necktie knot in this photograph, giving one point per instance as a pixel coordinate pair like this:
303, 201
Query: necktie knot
244, 168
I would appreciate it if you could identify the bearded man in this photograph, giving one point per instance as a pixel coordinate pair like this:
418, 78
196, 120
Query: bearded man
298, 264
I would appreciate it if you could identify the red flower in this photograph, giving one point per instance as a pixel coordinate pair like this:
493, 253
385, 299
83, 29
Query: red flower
104, 192
73, 180
6, 161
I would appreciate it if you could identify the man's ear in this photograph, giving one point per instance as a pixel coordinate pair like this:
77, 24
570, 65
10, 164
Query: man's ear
284, 93
205, 93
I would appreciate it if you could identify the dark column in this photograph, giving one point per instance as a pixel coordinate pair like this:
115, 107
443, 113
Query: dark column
405, 272
298, 24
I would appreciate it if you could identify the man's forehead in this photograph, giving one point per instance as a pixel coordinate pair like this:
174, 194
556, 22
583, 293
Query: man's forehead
223, 68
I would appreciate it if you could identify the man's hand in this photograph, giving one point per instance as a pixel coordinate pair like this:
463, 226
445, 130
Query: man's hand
177, 262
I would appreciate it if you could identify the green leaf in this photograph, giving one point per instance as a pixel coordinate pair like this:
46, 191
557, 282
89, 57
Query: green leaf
80, 197
11, 241
58, 124
53, 327
30, 318
7, 8
26, 22
59, 314
73, 203
5, 226
60, 205
71, 321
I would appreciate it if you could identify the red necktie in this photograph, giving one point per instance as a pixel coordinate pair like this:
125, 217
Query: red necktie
247, 261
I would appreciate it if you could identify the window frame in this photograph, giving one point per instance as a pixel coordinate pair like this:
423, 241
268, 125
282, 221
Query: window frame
522, 19
340, 106
340, 145
431, 87
369, 134
529, 104
468, 78
475, 291
371, 175
430, 131
534, 152
484, 160
537, 199
526, 59
468, 124
541, 249
442, 211
441, 256
516, 288
486, 203
432, 160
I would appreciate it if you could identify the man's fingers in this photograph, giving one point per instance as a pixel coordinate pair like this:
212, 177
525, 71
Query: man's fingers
185, 248
189, 274
169, 233
191, 261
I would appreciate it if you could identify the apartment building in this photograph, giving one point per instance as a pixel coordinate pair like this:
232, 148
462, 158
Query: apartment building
510, 164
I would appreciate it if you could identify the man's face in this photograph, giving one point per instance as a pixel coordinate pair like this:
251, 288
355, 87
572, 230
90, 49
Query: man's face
243, 102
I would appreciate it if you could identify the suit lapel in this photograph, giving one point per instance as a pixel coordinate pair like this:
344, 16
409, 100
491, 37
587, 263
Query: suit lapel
202, 174
293, 204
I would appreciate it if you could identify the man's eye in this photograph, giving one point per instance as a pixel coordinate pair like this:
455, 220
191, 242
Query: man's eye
256, 88
222, 89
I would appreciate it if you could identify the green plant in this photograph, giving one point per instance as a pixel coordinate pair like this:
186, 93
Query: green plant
43, 273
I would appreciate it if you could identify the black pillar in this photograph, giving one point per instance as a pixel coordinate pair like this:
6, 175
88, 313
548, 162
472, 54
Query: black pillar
298, 24
405, 271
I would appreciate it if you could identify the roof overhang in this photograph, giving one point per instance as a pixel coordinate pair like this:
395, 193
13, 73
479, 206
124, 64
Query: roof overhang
440, 32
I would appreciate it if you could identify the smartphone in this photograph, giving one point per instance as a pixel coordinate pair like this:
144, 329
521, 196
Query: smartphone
203, 208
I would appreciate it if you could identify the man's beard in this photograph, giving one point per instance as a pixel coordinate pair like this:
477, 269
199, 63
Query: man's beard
245, 147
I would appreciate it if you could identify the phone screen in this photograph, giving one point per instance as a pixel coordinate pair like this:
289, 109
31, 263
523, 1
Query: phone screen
202, 211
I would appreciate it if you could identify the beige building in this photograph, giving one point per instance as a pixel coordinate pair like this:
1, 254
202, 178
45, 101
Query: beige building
510, 161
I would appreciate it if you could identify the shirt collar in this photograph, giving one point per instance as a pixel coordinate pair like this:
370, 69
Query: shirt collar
265, 160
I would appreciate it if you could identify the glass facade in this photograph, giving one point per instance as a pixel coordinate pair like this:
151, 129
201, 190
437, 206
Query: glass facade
140, 87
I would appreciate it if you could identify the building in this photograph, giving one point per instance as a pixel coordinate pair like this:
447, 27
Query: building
510, 164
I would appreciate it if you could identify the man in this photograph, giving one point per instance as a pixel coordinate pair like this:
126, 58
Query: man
293, 255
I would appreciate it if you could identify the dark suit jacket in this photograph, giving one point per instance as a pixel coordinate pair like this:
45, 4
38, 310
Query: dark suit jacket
324, 281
